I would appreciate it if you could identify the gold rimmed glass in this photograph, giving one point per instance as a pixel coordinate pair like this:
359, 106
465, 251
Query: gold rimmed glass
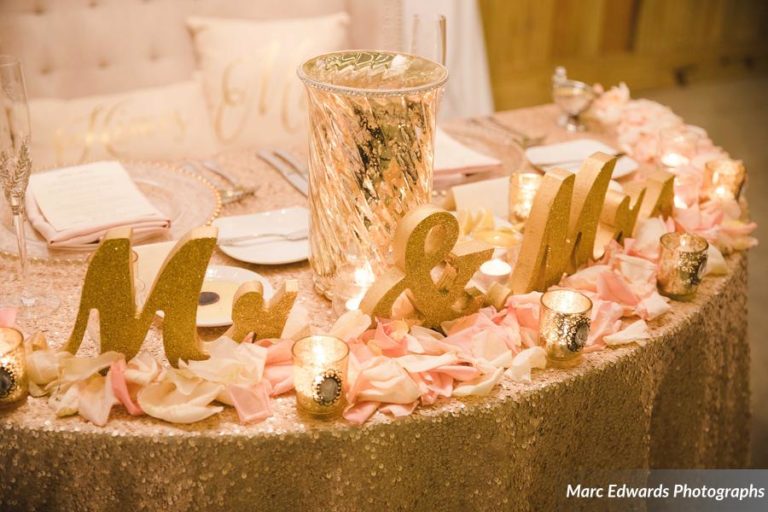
32, 301
564, 323
372, 126
682, 262
319, 374
13, 373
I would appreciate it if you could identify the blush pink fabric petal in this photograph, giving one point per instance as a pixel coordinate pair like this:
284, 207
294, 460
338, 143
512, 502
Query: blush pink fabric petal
480, 386
359, 413
120, 387
398, 410
251, 403
280, 377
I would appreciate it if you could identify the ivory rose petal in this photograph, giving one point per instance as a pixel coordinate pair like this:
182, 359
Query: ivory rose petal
387, 382
143, 369
637, 332
177, 401
350, 325
96, 399
716, 264
525, 361
75, 369
480, 386
297, 325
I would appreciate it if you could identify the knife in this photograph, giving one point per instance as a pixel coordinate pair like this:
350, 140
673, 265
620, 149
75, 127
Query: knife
293, 176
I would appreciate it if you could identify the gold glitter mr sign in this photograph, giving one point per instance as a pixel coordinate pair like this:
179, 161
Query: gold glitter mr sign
431, 269
574, 216
109, 288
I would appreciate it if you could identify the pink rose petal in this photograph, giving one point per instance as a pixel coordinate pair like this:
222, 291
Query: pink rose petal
120, 388
251, 403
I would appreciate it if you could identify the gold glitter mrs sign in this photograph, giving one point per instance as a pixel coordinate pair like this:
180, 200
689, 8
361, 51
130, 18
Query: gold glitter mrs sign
425, 244
574, 216
109, 288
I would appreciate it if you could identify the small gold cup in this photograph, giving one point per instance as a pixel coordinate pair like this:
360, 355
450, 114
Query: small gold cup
724, 178
13, 370
564, 326
522, 189
682, 263
319, 374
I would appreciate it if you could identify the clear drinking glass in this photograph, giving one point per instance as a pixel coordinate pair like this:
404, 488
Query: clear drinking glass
15, 168
573, 98
428, 38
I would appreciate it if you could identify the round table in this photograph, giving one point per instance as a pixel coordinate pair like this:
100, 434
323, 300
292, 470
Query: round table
682, 400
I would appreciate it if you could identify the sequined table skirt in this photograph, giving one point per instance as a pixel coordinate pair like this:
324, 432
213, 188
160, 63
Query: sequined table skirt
681, 401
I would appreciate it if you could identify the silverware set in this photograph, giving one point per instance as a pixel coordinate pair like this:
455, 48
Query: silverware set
231, 194
289, 166
519, 137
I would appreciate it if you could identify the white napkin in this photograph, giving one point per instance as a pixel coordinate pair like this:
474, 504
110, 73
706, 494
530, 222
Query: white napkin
454, 158
570, 155
73, 207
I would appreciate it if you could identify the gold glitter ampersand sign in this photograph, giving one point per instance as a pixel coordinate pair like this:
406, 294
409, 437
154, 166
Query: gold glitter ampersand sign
250, 316
425, 241
109, 288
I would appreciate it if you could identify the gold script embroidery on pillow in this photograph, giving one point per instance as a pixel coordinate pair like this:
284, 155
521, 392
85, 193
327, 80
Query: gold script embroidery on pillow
115, 130
266, 84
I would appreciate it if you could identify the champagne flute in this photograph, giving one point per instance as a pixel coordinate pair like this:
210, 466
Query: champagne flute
15, 168
428, 37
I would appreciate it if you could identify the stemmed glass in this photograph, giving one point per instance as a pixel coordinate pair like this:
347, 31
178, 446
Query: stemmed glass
573, 98
15, 168
428, 37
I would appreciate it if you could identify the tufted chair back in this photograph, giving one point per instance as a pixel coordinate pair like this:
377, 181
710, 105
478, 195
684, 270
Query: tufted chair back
76, 48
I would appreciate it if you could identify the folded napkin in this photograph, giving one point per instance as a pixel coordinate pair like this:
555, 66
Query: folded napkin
454, 158
73, 207
570, 155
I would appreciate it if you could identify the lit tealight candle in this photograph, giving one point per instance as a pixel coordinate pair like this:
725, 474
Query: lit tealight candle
564, 323
522, 190
724, 178
319, 374
13, 373
677, 145
495, 271
352, 283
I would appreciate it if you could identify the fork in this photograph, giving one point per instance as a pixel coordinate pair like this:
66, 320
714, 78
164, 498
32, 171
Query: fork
522, 138
228, 195
292, 236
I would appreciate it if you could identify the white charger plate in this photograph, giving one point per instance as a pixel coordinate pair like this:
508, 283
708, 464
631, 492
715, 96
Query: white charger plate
574, 152
270, 253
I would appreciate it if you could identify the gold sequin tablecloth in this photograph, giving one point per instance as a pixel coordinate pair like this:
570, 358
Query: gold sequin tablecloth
681, 401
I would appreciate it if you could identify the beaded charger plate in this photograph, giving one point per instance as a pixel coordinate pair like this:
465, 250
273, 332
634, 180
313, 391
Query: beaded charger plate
187, 199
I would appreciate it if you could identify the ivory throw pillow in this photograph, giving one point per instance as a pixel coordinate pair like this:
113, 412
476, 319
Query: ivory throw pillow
154, 123
248, 70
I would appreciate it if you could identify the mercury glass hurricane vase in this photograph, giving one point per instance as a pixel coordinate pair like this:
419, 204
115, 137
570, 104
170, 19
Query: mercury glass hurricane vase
372, 127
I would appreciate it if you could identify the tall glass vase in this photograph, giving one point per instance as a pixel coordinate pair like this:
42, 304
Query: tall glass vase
372, 126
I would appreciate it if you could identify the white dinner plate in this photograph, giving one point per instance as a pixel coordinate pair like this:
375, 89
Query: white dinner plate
224, 282
569, 155
276, 221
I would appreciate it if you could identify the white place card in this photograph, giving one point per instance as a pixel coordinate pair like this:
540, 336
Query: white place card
99, 192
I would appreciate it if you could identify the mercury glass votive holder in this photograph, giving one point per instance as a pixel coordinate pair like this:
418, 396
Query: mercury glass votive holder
564, 323
13, 370
682, 262
319, 374
724, 178
522, 189
371, 148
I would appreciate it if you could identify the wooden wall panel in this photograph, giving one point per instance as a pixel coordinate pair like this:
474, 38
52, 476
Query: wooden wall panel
647, 43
